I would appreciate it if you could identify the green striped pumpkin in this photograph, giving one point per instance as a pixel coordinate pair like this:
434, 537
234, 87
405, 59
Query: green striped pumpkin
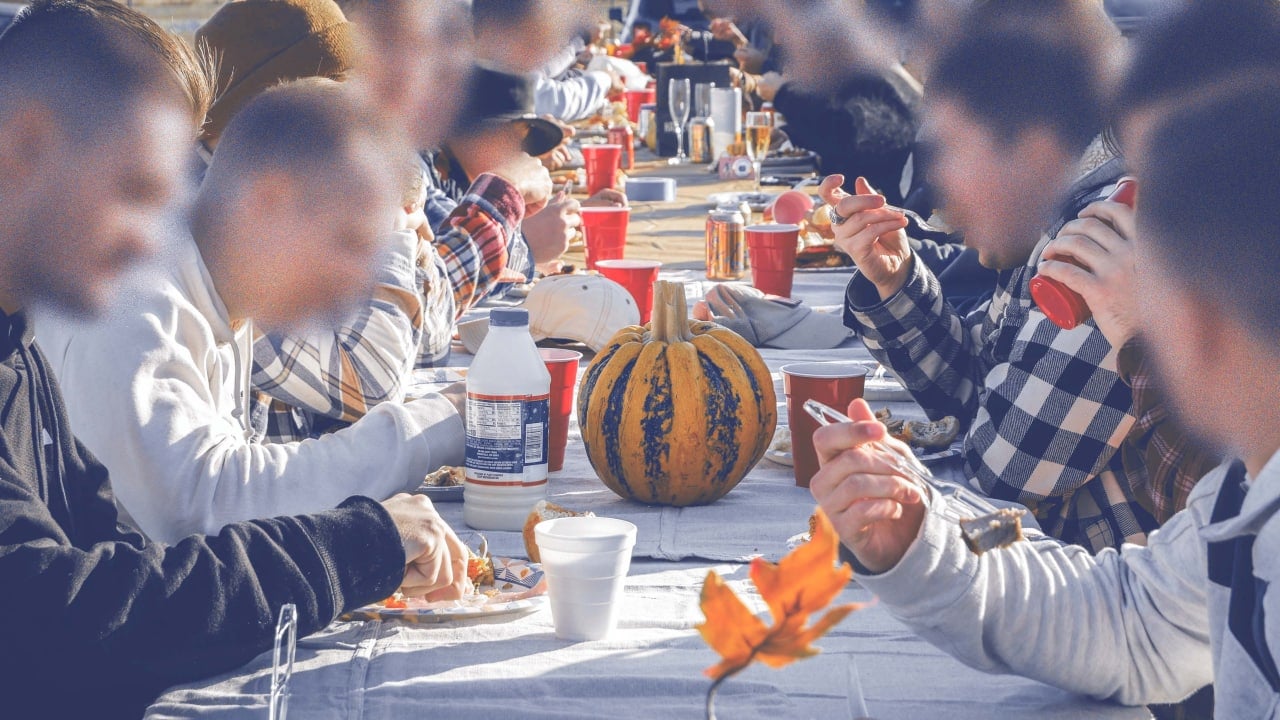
676, 412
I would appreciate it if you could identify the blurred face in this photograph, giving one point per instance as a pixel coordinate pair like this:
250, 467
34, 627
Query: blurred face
413, 52
94, 208
325, 234
1000, 193
1169, 310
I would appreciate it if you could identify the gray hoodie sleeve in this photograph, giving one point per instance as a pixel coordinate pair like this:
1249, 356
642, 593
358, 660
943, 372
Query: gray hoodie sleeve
1130, 626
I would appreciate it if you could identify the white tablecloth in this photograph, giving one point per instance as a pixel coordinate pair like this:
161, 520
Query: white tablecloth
652, 666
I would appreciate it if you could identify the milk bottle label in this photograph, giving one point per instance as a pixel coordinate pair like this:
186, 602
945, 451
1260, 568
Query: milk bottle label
507, 439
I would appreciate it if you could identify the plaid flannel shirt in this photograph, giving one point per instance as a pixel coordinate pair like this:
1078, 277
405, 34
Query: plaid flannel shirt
1174, 462
308, 382
306, 387
1045, 409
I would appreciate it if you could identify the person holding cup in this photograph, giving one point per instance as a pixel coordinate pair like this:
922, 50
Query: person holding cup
1046, 412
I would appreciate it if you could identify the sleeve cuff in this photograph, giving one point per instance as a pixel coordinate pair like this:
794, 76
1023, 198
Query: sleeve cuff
359, 544
933, 574
499, 198
895, 321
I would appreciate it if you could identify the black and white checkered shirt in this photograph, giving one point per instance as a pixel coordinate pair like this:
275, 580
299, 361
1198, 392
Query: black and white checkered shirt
1045, 408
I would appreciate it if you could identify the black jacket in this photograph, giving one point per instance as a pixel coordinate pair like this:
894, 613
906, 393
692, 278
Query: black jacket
867, 127
95, 621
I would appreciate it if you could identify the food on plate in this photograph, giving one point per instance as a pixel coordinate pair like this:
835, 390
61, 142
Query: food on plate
446, 476
1001, 528
545, 511
822, 256
818, 222
923, 434
781, 441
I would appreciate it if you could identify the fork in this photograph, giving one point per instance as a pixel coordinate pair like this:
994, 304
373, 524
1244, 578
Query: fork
908, 465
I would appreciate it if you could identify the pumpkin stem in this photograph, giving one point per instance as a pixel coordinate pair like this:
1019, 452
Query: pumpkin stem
670, 313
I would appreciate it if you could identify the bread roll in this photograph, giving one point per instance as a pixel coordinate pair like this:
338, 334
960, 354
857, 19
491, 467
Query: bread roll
544, 511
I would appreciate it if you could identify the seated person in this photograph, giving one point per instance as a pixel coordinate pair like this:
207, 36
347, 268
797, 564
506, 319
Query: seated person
1045, 410
286, 221
1193, 606
754, 48
99, 95
503, 130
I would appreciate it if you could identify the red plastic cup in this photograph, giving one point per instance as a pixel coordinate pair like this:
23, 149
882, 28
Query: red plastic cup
791, 206
601, 162
773, 257
832, 383
563, 366
1062, 305
637, 276
636, 98
605, 231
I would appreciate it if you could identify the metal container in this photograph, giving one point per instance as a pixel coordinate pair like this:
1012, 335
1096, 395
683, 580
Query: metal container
622, 135
649, 125
700, 129
726, 244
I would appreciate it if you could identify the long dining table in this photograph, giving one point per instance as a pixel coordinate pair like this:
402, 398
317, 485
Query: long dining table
512, 665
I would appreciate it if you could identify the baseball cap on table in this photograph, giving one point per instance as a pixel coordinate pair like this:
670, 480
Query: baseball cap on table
585, 308
781, 323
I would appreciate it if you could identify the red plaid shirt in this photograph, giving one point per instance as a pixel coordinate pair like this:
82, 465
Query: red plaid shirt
1174, 461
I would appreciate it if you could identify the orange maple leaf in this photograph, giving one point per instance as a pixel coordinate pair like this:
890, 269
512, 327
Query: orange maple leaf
801, 584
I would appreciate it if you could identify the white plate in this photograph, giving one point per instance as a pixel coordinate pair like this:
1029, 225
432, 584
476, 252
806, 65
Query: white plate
756, 201
523, 589
779, 457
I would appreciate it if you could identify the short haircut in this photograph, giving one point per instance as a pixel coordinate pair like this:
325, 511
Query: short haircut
1186, 50
306, 127
500, 13
1018, 64
1210, 198
84, 58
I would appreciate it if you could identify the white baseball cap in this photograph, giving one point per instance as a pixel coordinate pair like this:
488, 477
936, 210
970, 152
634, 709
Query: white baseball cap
589, 309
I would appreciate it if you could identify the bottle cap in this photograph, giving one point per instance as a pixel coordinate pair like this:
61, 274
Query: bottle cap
509, 317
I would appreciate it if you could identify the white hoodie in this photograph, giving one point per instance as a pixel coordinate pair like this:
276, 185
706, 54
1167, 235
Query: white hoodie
1138, 625
159, 392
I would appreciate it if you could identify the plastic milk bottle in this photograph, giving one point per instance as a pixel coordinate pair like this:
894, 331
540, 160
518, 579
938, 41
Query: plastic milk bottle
508, 406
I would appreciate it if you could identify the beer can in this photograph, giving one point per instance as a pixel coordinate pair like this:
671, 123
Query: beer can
726, 244
649, 125
700, 129
622, 135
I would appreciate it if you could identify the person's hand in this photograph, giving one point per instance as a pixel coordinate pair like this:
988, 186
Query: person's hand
457, 392
876, 511
435, 559
558, 157
768, 85
1099, 241
529, 177
726, 30
750, 59
872, 234
607, 197
550, 231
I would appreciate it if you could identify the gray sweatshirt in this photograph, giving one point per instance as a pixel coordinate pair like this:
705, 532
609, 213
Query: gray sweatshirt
1141, 625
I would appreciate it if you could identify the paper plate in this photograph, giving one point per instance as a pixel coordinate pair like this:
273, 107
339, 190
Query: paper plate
520, 585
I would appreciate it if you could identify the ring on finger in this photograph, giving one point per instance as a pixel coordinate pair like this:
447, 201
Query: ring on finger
836, 218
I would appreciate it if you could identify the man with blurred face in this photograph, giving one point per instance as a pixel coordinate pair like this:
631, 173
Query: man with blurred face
95, 128
283, 230
1015, 122
1155, 623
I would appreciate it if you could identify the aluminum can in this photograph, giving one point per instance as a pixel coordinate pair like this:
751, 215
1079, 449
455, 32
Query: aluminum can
700, 129
649, 125
726, 244
622, 135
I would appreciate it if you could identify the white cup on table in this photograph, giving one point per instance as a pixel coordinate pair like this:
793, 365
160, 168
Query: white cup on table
585, 560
